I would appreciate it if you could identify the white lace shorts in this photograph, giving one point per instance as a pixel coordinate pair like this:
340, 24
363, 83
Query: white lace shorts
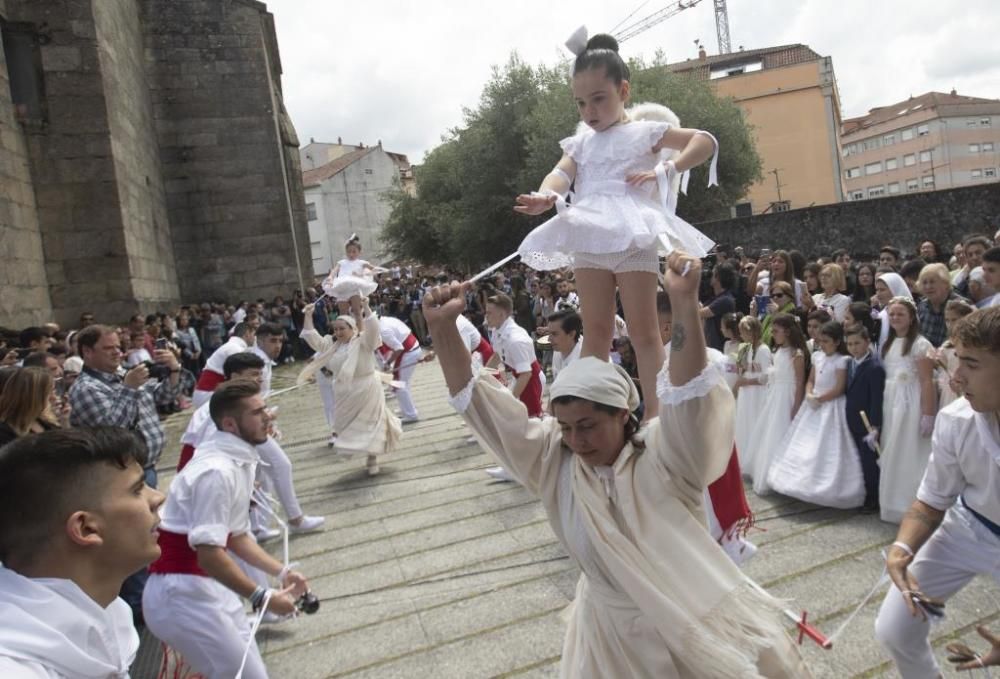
619, 262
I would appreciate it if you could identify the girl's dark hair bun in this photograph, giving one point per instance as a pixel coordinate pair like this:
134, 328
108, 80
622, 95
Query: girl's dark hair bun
602, 41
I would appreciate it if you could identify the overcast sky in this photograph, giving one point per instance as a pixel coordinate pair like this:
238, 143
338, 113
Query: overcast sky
401, 71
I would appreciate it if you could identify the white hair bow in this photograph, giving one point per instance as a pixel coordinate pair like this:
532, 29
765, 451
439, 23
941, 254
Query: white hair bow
577, 43
351, 239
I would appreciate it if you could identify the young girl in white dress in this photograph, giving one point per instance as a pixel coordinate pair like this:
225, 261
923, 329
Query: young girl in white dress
786, 384
731, 332
817, 461
351, 279
614, 228
908, 411
753, 361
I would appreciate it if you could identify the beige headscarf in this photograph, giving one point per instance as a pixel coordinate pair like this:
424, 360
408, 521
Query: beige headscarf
595, 380
320, 359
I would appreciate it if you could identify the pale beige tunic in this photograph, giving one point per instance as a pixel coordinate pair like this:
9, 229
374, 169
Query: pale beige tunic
364, 424
657, 597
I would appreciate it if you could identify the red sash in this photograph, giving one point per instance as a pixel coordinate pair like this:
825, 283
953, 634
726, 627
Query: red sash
209, 380
176, 556
531, 397
409, 344
187, 452
485, 350
729, 501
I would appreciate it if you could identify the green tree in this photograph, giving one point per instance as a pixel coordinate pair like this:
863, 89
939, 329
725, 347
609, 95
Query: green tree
462, 214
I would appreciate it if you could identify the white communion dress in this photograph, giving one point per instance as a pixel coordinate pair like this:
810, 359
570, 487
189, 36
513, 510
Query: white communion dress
775, 417
606, 216
904, 451
817, 461
750, 401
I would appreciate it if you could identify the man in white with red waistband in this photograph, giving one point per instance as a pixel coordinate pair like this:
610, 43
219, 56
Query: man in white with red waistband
194, 589
514, 350
474, 340
212, 374
401, 351
951, 533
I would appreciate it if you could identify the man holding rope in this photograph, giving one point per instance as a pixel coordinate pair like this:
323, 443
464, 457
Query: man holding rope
952, 531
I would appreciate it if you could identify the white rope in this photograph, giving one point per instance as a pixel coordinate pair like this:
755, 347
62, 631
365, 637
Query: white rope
882, 579
487, 271
264, 502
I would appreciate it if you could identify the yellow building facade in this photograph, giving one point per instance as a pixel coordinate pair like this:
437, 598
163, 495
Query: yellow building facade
789, 95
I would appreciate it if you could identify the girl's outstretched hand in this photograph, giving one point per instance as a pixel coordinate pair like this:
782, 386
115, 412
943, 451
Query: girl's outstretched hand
534, 203
444, 303
683, 275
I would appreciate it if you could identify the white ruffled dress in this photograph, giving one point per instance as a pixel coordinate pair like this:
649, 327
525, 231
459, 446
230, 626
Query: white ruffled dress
351, 280
606, 215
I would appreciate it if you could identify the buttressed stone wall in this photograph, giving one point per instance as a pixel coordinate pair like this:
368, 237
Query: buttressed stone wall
150, 172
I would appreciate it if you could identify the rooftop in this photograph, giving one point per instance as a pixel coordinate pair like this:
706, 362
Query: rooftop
334, 167
772, 57
927, 101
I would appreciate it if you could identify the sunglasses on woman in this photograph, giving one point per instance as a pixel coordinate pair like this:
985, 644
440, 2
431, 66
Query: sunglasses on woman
778, 295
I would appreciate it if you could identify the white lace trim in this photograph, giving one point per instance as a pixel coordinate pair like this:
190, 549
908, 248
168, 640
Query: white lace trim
460, 401
622, 142
669, 394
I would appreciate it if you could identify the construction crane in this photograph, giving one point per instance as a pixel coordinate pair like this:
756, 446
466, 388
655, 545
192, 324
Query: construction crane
641, 25
722, 26
647, 22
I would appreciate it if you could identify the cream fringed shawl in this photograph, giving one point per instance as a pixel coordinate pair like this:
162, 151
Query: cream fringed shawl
665, 562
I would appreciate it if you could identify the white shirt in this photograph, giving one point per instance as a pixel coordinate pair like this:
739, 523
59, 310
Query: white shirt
836, 305
468, 332
233, 345
199, 427
209, 499
559, 361
53, 630
965, 460
393, 332
571, 301
265, 374
515, 346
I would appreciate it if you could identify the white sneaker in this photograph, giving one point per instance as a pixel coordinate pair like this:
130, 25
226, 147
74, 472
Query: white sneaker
500, 474
372, 465
408, 420
308, 523
263, 534
332, 441
471, 439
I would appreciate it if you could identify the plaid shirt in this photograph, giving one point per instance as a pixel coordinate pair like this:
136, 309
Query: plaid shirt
932, 322
99, 398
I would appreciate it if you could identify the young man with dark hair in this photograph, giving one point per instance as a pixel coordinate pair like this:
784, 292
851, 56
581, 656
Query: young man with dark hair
975, 248
723, 281
192, 600
45, 361
910, 272
566, 337
65, 558
951, 533
34, 339
889, 257
991, 274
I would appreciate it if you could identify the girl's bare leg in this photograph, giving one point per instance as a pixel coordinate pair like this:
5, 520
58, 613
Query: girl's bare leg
638, 291
596, 288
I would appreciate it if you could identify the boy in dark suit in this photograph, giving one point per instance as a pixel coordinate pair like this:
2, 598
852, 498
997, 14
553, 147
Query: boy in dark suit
865, 384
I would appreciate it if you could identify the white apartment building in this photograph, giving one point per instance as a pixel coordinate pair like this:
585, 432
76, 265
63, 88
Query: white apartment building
934, 141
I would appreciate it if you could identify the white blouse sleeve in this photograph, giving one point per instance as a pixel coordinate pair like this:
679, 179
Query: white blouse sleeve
501, 424
316, 342
696, 428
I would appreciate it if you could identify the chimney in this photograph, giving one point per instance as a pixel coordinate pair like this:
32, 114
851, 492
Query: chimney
702, 54
954, 92
340, 141
312, 140
380, 144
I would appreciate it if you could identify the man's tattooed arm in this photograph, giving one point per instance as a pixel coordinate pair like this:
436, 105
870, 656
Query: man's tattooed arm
678, 337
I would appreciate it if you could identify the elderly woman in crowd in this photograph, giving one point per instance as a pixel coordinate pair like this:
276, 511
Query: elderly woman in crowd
627, 504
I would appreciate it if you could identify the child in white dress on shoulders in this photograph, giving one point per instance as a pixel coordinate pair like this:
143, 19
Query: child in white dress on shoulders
614, 228
350, 280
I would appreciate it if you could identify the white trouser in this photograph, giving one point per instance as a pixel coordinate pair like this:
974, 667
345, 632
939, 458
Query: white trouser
406, 368
204, 621
277, 474
961, 548
325, 385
